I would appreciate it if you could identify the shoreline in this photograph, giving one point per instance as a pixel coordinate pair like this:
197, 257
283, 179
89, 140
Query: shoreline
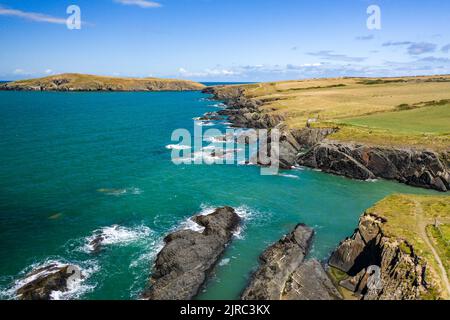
310, 147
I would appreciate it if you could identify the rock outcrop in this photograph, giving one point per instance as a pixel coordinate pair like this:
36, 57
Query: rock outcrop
40, 283
182, 266
83, 82
413, 167
402, 274
284, 275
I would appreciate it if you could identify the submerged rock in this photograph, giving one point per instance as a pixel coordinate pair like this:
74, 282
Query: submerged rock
40, 283
182, 266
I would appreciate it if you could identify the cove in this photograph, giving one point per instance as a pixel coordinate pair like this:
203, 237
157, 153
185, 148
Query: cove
74, 163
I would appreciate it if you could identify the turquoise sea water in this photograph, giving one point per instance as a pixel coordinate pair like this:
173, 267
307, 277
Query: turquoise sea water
73, 163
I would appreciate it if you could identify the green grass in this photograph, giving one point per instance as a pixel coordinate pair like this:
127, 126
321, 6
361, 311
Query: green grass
435, 120
440, 236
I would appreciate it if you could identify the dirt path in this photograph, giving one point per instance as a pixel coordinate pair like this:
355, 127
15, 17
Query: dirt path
422, 225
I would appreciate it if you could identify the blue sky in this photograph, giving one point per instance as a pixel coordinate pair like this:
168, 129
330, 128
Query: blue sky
224, 40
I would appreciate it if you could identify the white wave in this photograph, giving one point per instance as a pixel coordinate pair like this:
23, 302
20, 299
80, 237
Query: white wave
205, 123
75, 288
372, 180
177, 147
224, 262
218, 105
292, 176
116, 234
121, 192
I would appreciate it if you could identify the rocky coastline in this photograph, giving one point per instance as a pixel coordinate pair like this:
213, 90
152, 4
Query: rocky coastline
183, 265
311, 147
284, 274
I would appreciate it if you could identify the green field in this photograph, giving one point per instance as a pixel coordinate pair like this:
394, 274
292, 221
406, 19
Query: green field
433, 120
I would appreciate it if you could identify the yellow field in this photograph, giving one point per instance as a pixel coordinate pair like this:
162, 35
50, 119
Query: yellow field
338, 100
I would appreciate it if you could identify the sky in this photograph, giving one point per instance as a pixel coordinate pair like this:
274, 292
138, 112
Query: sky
225, 40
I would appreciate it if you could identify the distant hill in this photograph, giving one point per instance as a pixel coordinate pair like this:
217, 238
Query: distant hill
84, 82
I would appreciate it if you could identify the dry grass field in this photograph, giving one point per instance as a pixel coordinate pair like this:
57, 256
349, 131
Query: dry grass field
388, 111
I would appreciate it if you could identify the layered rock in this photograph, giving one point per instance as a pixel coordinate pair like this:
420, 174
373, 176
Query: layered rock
40, 283
402, 274
182, 266
284, 275
413, 167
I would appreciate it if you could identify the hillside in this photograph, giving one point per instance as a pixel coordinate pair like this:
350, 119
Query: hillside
83, 82
381, 111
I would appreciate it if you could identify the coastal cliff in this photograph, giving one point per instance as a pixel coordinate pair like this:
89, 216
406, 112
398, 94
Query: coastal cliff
313, 147
82, 82
393, 237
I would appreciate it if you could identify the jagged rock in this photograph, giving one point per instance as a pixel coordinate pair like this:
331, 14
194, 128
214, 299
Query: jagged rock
359, 250
414, 167
43, 281
354, 284
182, 266
277, 263
310, 282
402, 274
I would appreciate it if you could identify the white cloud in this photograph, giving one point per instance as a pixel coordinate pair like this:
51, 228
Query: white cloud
33, 16
20, 72
208, 73
140, 3
48, 71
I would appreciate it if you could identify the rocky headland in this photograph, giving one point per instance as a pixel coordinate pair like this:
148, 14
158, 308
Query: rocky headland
312, 147
183, 265
284, 274
83, 82
396, 242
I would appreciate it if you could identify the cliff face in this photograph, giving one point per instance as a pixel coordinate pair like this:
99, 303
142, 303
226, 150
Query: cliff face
310, 147
403, 274
81, 82
413, 167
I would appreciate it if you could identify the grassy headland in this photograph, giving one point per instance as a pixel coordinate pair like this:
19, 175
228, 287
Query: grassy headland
408, 111
422, 221
84, 82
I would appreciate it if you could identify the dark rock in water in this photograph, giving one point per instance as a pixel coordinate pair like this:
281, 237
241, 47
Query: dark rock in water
310, 282
41, 282
182, 266
96, 244
211, 116
277, 264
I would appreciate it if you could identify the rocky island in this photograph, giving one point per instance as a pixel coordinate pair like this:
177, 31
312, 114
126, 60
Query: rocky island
84, 82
